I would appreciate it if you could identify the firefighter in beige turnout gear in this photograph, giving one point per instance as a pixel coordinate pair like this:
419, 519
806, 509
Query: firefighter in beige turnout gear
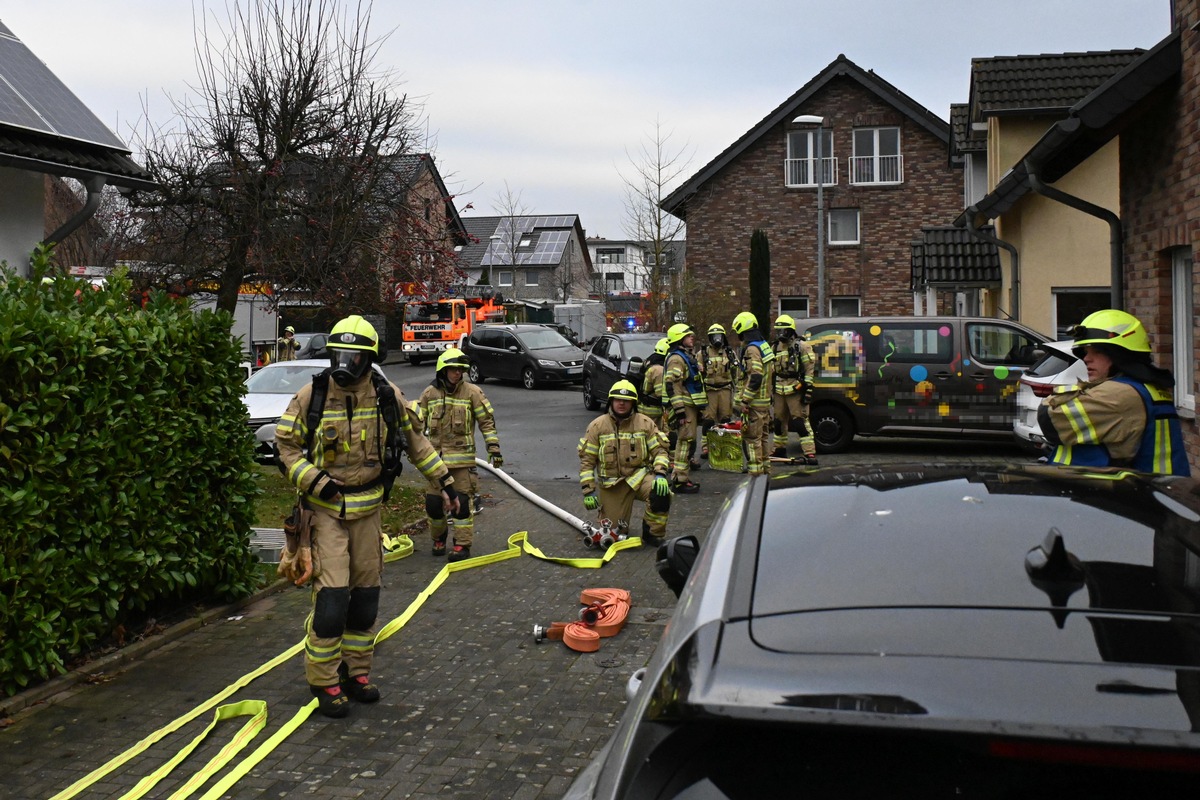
652, 402
623, 456
718, 366
793, 390
685, 393
342, 464
753, 395
451, 408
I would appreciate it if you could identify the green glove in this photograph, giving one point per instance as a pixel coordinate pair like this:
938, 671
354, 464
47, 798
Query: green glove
591, 502
662, 487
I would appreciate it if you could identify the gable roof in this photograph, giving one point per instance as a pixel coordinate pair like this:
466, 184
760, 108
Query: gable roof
45, 128
840, 68
1049, 83
1090, 123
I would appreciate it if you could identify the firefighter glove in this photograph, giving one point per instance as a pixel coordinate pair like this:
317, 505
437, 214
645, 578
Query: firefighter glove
591, 502
678, 415
662, 487
496, 459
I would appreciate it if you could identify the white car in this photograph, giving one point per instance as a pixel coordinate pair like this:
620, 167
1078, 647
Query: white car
268, 392
1058, 367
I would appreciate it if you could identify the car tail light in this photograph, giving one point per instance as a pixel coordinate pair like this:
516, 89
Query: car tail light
1039, 389
1100, 756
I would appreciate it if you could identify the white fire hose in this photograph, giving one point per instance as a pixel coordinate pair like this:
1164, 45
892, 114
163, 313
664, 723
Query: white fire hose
594, 535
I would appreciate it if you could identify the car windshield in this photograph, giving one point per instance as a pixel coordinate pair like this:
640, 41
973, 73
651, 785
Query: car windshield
640, 348
282, 378
428, 312
543, 339
1054, 362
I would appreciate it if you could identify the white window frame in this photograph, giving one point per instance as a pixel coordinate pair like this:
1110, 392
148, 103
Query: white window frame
857, 227
531, 278
504, 277
872, 168
795, 306
1183, 328
799, 169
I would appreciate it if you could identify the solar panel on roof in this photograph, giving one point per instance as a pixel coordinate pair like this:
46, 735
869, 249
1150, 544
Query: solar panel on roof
32, 97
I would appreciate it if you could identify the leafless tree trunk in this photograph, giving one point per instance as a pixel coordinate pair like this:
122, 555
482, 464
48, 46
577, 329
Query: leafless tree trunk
284, 168
506, 242
653, 169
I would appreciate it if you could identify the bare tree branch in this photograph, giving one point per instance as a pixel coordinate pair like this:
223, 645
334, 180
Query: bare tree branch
287, 165
653, 170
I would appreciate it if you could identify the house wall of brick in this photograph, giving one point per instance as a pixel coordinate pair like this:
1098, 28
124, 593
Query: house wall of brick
750, 193
1160, 205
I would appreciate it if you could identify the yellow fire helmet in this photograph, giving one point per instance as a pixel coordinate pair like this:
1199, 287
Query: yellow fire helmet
453, 357
1112, 327
623, 390
662, 347
678, 331
785, 322
716, 327
354, 333
744, 322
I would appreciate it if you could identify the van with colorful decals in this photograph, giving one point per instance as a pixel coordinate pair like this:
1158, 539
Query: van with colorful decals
915, 376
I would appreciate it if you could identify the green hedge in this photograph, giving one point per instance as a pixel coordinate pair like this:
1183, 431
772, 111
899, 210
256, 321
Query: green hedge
126, 467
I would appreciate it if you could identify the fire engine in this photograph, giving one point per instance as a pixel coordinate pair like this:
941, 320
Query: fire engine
430, 326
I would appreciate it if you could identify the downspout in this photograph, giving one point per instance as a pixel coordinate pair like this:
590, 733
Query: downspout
94, 186
1115, 234
1014, 291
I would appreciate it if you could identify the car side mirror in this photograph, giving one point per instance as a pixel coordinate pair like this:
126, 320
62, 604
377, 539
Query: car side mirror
674, 561
512, 348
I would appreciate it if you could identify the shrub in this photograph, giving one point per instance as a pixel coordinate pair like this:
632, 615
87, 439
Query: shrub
126, 466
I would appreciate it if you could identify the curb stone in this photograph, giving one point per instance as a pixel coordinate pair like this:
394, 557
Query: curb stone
45, 693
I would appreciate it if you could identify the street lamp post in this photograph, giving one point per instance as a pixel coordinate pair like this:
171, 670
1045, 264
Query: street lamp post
813, 119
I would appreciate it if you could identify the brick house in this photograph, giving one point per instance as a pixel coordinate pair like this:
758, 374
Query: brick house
1150, 112
885, 176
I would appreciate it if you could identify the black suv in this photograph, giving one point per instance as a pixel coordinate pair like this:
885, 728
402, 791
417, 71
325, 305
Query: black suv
610, 359
529, 353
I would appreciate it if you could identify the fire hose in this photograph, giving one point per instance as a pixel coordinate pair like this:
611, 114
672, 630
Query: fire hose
603, 614
602, 534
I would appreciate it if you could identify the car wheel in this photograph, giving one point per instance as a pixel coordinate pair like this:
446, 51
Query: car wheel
474, 374
415, 360
528, 378
589, 400
833, 428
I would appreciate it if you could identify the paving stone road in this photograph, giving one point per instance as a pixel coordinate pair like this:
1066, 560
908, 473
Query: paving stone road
472, 707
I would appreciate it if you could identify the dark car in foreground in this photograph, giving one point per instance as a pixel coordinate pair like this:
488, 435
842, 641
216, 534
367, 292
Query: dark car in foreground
925, 631
530, 353
610, 359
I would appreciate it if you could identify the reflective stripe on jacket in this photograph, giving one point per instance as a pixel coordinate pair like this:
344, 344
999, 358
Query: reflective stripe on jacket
1160, 449
754, 390
450, 420
682, 378
614, 450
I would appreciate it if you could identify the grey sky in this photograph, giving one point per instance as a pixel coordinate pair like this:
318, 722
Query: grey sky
550, 95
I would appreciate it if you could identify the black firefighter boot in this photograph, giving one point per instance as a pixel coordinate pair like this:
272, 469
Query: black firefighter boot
359, 688
331, 701
648, 538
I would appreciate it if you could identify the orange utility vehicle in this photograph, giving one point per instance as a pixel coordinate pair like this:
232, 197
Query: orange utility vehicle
430, 326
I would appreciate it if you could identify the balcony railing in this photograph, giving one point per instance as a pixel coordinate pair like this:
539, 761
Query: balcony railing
799, 172
876, 169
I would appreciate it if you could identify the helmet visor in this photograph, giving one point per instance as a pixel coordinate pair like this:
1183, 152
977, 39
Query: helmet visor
349, 365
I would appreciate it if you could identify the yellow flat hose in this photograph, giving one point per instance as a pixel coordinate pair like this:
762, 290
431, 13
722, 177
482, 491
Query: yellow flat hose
397, 547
